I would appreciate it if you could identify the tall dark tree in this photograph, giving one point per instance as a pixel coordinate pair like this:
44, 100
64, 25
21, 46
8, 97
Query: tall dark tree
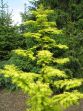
5, 16
10, 37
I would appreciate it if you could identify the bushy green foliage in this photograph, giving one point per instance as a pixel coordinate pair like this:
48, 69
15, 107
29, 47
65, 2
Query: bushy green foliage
9, 36
69, 16
10, 39
37, 69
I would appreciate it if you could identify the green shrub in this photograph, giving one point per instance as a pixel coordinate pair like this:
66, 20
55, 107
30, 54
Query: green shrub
37, 71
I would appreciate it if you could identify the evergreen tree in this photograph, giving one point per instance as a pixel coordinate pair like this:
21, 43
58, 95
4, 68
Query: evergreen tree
10, 38
69, 17
9, 35
37, 69
5, 16
67, 10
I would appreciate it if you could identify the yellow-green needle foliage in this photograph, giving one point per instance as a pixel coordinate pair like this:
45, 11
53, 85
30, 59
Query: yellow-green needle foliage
36, 69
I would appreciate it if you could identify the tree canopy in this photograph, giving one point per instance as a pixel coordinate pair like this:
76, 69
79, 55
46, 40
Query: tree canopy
44, 55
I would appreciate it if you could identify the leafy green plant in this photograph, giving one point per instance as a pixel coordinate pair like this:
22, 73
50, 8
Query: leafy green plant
10, 39
35, 69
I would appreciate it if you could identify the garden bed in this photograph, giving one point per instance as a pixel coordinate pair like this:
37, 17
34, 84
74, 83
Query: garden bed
12, 101
16, 101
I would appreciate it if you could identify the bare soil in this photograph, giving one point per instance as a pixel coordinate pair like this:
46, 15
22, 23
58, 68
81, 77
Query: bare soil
16, 101
12, 101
